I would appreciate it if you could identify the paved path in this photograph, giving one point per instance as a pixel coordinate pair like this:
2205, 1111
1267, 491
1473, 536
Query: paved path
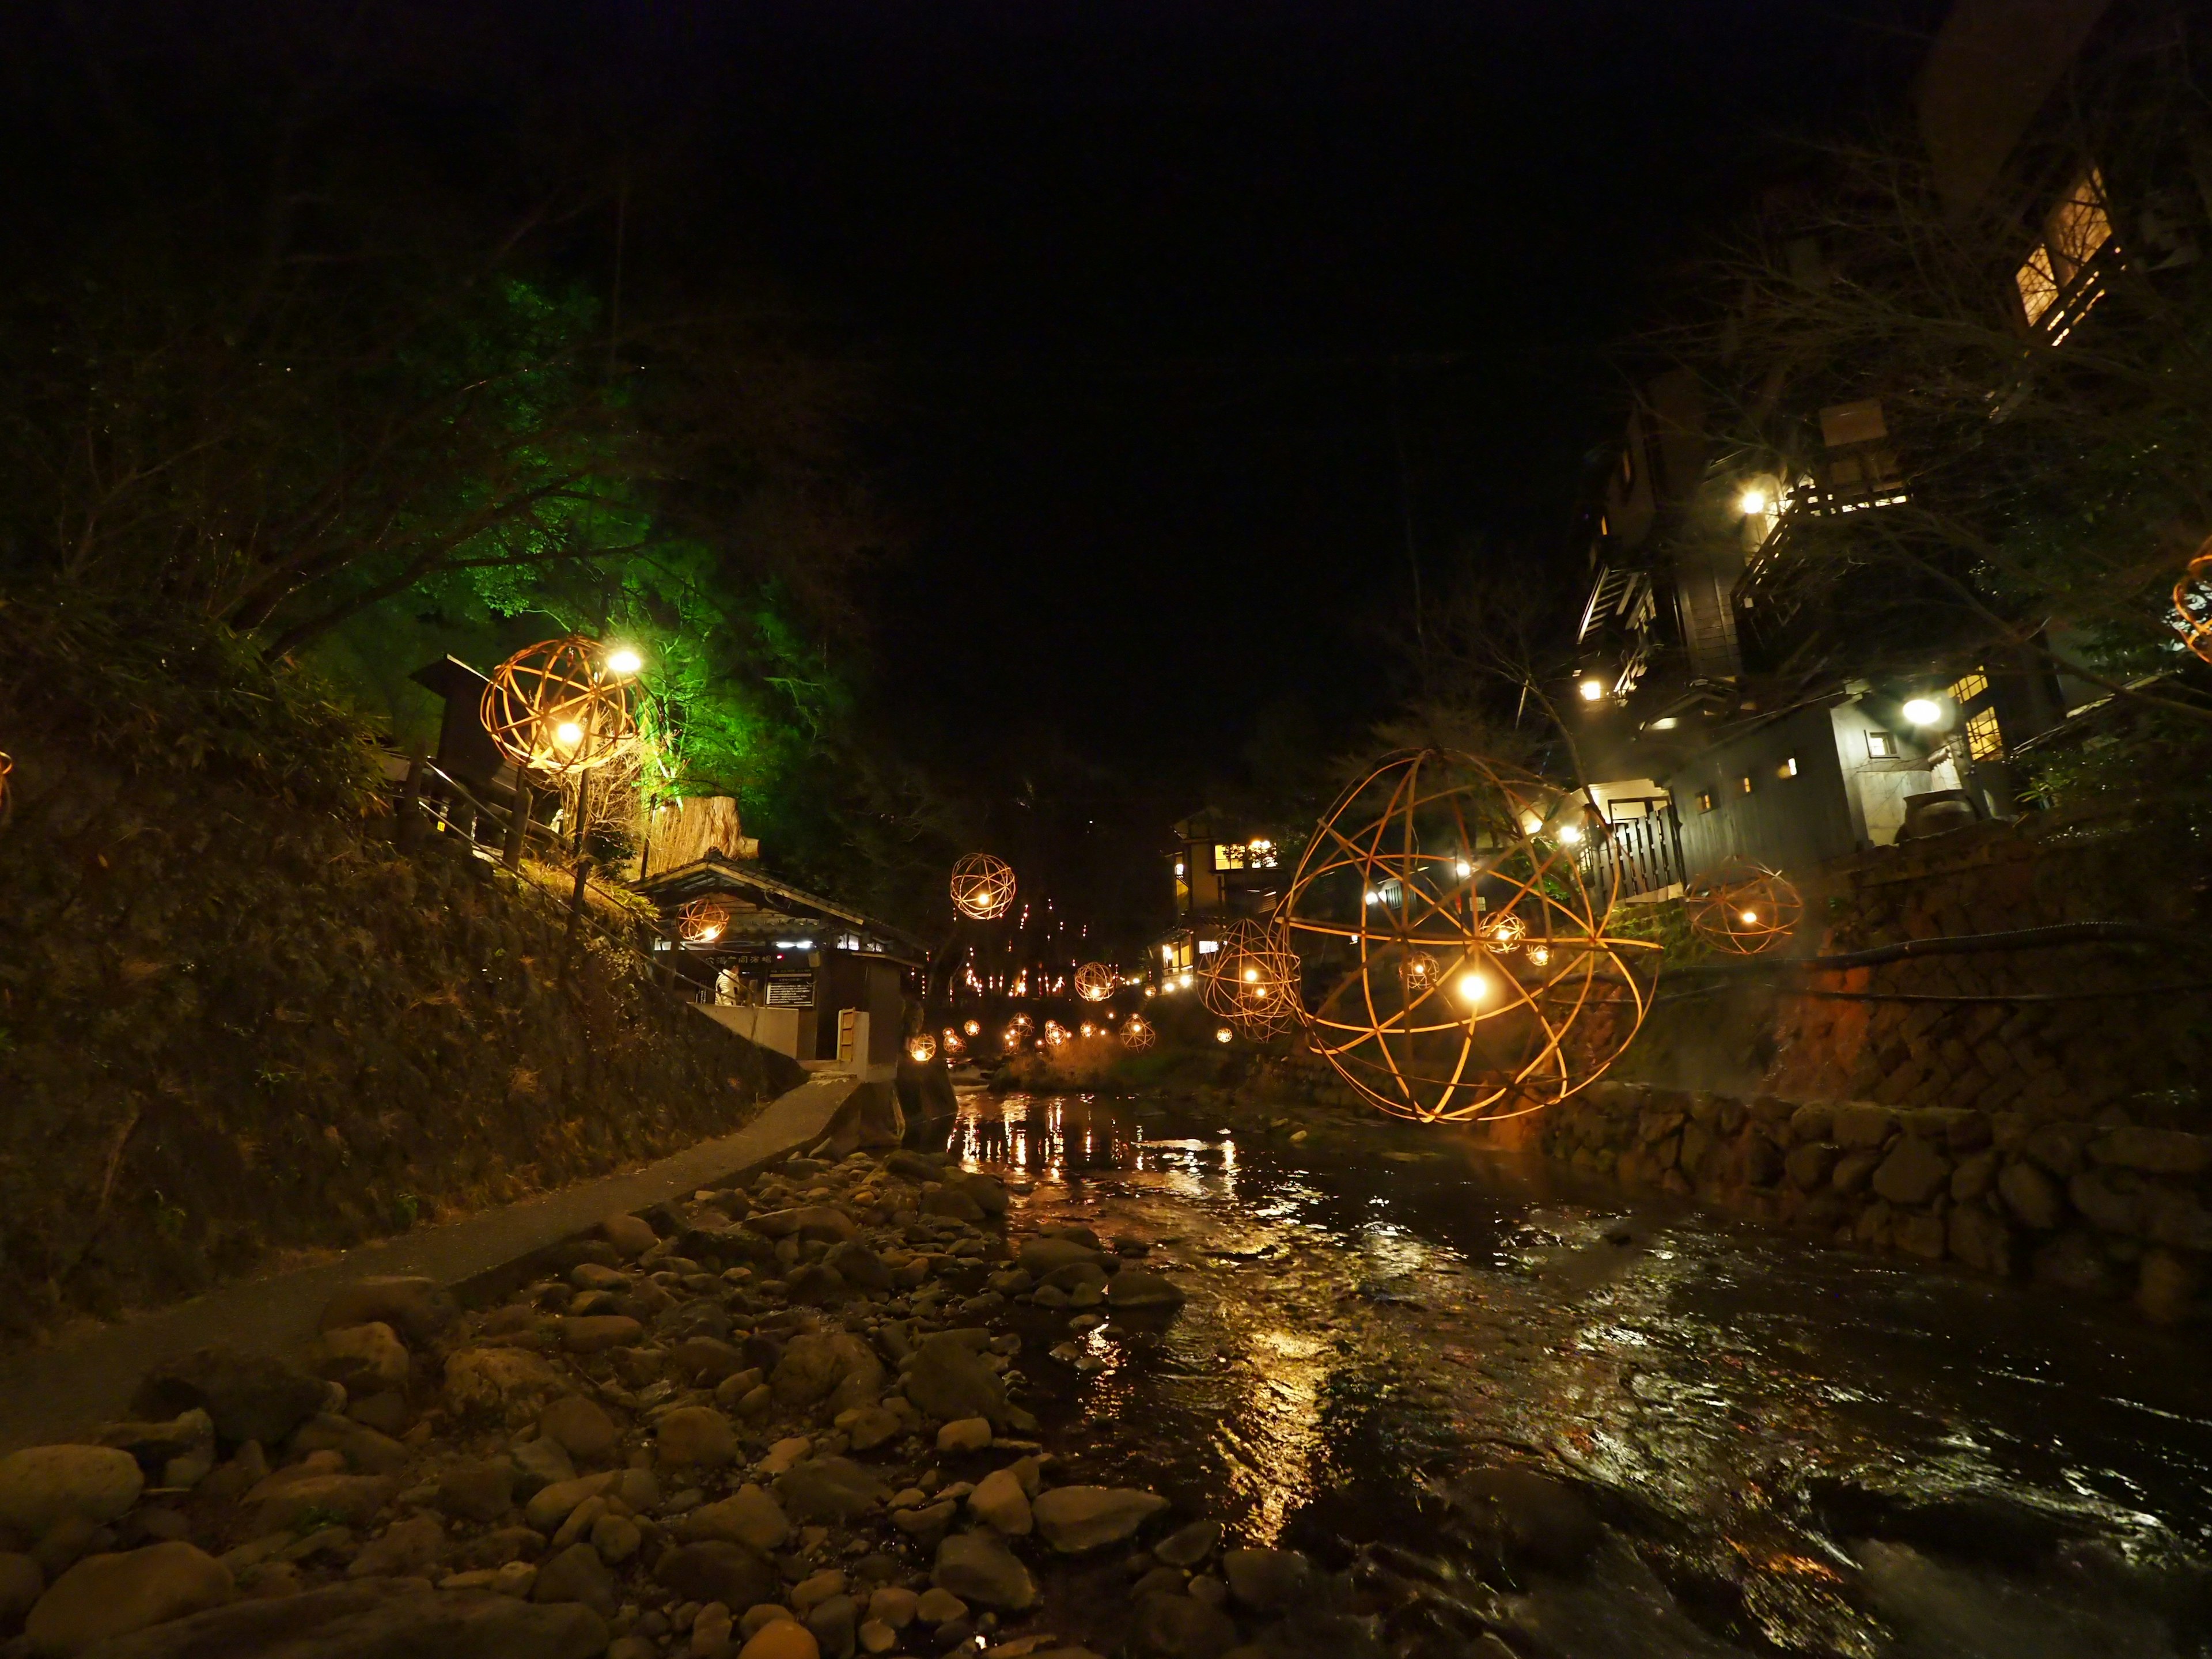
50, 1393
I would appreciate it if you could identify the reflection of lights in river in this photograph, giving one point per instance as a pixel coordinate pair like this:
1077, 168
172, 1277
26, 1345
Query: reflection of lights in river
1284, 1418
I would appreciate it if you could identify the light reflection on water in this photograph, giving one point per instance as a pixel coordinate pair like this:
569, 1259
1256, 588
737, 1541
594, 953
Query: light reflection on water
1358, 1324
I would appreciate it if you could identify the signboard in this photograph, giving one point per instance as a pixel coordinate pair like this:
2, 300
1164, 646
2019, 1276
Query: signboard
791, 990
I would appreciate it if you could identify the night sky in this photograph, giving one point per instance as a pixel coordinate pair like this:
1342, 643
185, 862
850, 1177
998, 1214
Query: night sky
1180, 310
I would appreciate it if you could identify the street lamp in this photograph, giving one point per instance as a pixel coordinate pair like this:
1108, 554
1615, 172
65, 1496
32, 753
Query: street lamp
1923, 711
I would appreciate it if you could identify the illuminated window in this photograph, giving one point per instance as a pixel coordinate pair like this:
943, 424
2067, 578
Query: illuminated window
1706, 801
2074, 233
1983, 740
1234, 855
1968, 686
1787, 769
1882, 745
1746, 785
2038, 288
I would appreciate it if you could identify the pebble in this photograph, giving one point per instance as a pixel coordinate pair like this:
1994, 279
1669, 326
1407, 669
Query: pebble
41, 1485
1077, 1518
105, 1595
966, 1434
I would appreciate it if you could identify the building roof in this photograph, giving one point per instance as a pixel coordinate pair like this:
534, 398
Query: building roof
764, 907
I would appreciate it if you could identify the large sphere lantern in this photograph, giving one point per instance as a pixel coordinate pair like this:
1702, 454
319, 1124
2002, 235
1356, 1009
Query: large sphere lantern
1251, 980
2193, 603
1459, 969
1095, 982
982, 887
1137, 1035
561, 706
1743, 908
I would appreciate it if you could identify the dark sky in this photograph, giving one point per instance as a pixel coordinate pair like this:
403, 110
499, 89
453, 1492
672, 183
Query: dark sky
1159, 290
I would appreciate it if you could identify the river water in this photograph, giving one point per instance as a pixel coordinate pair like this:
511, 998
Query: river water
1786, 1448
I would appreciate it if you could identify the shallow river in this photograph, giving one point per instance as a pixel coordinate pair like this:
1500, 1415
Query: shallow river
1790, 1449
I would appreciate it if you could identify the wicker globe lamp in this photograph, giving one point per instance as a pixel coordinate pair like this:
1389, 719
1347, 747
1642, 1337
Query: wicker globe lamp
1457, 966
1743, 908
560, 707
2193, 603
1252, 981
1095, 982
1137, 1035
703, 922
983, 886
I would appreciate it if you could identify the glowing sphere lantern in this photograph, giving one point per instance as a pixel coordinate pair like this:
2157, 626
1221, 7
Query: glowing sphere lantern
1743, 908
1095, 982
1136, 1036
2193, 603
1457, 965
1054, 1034
703, 922
560, 707
921, 1048
982, 887
1251, 980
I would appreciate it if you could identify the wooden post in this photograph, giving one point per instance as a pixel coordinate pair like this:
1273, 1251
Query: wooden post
409, 816
576, 916
517, 821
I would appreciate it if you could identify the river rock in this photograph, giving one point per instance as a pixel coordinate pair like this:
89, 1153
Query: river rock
105, 1595
856, 1264
597, 1332
715, 1571
367, 1359
1529, 1515
2152, 1152
695, 1434
365, 1450
749, 1517
2112, 1198
539, 1464
484, 1382
706, 1361
248, 1396
1041, 1256
1981, 1240
1178, 1627
372, 1618
815, 1286
1189, 1545
832, 1622
417, 1309
1913, 1173
952, 1201
949, 1380
838, 1367
1269, 1580
977, 1567
579, 1427
184, 1442
781, 1638
352, 1499
1862, 1126
409, 1547
1809, 1165
2075, 1261
42, 1485
1077, 1518
1135, 1287
577, 1574
2032, 1195
999, 1502
829, 1489
964, 1434
482, 1490
630, 1235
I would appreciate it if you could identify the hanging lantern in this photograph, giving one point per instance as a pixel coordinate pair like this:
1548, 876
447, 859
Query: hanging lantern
1251, 980
1095, 982
703, 922
2193, 603
974, 1028
1054, 1034
1136, 1035
1224, 1035
560, 707
1743, 908
953, 1044
983, 886
1395, 912
921, 1048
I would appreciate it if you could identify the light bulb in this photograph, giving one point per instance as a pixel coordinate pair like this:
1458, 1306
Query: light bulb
1472, 988
624, 661
1223, 1035
568, 734
1754, 503
1570, 833
1750, 917
1591, 690
1923, 711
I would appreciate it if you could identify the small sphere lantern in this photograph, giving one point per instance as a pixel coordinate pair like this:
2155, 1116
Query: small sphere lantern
1095, 982
1137, 1035
1252, 981
982, 887
1456, 966
559, 708
2193, 603
703, 922
921, 1048
1743, 908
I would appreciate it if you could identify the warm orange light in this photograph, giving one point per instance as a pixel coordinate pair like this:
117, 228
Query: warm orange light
1224, 1035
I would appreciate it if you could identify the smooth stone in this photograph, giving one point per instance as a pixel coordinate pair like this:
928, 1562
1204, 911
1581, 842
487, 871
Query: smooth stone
597, 1332
23, 1582
372, 1618
1186, 1547
784, 1638
1138, 1287
939, 1607
1268, 1580
715, 1571
577, 1574
41, 1485
1077, 1518
695, 1434
249, 1396
367, 1359
750, 1517
540, 1463
829, 1489
417, 1309
480, 1491
488, 1380
630, 1235
580, 1427
1178, 1627
106, 1596
964, 1434
979, 1568
999, 1502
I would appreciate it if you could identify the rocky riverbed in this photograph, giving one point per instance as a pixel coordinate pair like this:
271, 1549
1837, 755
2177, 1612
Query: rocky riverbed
1153, 1378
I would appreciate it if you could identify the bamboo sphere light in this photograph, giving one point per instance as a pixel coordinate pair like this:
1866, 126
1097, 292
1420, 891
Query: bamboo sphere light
559, 708
1136, 1036
983, 886
1459, 966
1095, 982
703, 922
1251, 980
921, 1048
1743, 908
2193, 603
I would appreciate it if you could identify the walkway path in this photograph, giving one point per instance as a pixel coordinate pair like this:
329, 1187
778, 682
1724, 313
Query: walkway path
50, 1393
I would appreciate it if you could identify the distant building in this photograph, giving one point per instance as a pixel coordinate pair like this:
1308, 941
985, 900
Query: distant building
1225, 870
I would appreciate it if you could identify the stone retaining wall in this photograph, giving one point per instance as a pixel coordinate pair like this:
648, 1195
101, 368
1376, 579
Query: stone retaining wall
2108, 1208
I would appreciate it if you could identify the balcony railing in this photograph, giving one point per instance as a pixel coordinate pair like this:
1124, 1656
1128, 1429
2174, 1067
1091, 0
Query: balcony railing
1635, 858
